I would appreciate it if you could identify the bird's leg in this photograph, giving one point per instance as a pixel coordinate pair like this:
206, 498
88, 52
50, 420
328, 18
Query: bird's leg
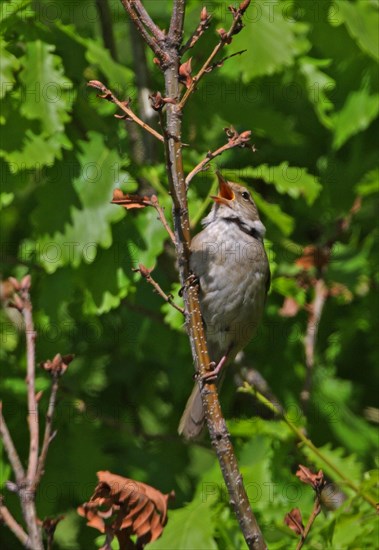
212, 374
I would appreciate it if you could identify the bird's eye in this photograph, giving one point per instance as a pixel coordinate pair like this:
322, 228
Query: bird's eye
245, 195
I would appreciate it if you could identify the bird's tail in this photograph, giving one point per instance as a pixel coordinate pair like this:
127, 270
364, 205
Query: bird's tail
192, 421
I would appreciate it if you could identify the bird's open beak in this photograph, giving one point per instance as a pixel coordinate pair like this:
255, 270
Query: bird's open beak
225, 193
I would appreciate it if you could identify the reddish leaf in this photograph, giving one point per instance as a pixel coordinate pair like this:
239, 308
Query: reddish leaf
294, 521
204, 14
224, 36
185, 70
306, 475
131, 508
313, 257
289, 308
58, 365
243, 6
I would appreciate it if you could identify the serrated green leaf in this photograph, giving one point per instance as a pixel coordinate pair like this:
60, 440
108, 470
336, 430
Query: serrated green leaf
188, 528
119, 77
47, 92
362, 21
37, 146
347, 464
283, 221
292, 180
318, 85
359, 110
272, 41
172, 316
91, 225
8, 66
369, 184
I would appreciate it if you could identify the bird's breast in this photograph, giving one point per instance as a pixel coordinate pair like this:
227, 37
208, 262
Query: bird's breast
232, 268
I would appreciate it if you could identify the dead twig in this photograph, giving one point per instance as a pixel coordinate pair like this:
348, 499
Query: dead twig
136, 201
205, 20
234, 140
7, 518
10, 449
146, 274
124, 106
150, 32
225, 38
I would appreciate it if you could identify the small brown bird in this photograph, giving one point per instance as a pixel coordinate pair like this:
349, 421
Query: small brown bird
230, 261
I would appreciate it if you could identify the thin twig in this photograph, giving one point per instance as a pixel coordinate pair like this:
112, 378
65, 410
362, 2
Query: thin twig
160, 210
146, 274
205, 20
147, 20
272, 406
225, 39
141, 19
175, 34
137, 201
33, 420
48, 435
7, 518
218, 64
14, 459
109, 96
235, 140
315, 512
315, 312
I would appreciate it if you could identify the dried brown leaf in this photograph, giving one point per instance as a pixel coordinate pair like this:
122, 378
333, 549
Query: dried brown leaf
130, 201
313, 256
316, 481
59, 365
132, 508
294, 521
185, 71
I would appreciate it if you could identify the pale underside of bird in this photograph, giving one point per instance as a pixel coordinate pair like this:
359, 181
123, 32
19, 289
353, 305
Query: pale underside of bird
230, 262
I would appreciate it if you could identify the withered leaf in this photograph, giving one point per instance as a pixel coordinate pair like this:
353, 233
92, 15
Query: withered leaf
130, 201
123, 507
317, 481
313, 257
294, 521
58, 365
185, 70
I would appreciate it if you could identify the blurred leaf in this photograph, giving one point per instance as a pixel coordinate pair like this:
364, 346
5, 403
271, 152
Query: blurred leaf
347, 464
282, 220
318, 84
362, 21
9, 65
359, 111
89, 226
369, 184
293, 180
271, 38
188, 528
47, 91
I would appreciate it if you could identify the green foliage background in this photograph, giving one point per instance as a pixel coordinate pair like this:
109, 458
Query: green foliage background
308, 88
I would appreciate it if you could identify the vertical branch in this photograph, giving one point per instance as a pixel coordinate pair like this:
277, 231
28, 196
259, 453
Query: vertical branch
172, 134
27, 482
315, 312
175, 33
30, 381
